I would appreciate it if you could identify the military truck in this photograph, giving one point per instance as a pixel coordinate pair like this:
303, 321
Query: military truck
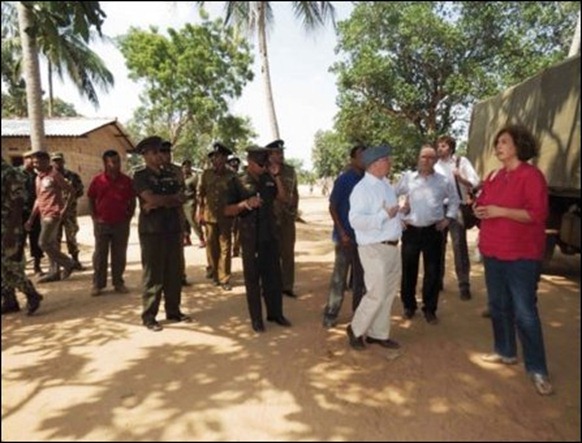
549, 104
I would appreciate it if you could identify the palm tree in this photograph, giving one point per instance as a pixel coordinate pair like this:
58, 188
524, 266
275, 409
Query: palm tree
253, 17
49, 20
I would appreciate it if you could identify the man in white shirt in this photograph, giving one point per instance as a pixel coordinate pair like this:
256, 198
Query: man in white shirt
375, 217
426, 192
462, 175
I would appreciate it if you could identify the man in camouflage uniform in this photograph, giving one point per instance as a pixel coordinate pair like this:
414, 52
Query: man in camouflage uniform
13, 276
69, 222
286, 213
212, 200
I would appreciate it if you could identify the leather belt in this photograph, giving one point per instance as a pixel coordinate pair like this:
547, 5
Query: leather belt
390, 242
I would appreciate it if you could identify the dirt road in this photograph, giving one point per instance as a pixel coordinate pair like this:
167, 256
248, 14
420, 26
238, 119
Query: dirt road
85, 369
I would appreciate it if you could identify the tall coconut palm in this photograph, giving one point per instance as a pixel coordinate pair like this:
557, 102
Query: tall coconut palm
49, 19
257, 17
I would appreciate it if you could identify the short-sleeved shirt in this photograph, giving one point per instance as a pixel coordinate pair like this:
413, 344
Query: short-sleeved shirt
49, 193
212, 188
340, 200
159, 220
260, 220
112, 197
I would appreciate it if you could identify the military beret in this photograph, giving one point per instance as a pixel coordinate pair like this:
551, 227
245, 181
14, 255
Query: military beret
28, 153
57, 156
153, 142
257, 154
277, 144
219, 148
41, 154
372, 154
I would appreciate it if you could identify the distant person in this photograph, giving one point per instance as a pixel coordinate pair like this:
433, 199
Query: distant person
112, 203
375, 216
160, 235
13, 275
462, 175
426, 192
69, 223
212, 195
51, 206
513, 208
347, 258
286, 215
233, 163
251, 197
191, 204
29, 198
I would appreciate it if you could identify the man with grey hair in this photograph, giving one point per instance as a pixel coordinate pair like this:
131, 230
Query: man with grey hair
375, 216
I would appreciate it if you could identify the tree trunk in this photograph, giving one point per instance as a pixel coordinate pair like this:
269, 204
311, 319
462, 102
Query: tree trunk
50, 89
32, 78
266, 73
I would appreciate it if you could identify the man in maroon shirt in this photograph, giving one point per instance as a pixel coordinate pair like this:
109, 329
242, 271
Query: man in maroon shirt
112, 204
50, 206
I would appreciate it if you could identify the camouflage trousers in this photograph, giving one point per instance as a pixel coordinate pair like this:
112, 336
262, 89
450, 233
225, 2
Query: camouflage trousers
70, 226
13, 275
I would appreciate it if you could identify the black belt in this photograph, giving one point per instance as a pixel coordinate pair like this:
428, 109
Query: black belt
390, 242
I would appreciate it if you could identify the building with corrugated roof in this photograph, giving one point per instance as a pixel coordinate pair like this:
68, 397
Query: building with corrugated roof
81, 140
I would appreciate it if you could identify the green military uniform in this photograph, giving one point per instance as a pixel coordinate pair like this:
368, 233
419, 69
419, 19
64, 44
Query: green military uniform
13, 276
160, 236
286, 213
191, 205
212, 197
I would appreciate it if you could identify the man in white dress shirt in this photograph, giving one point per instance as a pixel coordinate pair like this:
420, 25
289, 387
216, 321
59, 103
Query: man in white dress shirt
375, 216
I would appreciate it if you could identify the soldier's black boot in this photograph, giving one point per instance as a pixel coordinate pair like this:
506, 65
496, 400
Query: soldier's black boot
33, 300
78, 266
9, 301
37, 268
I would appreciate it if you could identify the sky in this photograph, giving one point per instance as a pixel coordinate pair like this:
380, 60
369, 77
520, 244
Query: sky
305, 92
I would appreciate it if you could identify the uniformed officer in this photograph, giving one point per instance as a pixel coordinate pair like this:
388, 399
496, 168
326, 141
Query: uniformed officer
160, 235
211, 199
286, 213
69, 221
13, 276
233, 162
251, 197
191, 205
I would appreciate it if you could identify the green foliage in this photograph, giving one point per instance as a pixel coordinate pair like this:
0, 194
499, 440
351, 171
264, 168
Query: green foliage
408, 71
189, 77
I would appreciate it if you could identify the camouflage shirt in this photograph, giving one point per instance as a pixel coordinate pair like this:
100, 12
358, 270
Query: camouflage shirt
74, 180
13, 181
289, 179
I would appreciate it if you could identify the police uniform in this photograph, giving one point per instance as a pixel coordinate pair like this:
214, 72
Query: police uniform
234, 163
191, 205
259, 244
160, 237
212, 199
286, 214
13, 276
69, 222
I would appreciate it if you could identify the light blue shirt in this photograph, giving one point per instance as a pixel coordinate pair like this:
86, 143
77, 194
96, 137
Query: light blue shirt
368, 215
427, 197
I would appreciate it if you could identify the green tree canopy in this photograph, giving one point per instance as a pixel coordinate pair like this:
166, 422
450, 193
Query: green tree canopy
189, 77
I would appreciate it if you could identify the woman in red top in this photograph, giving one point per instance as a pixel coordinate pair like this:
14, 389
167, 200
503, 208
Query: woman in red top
513, 207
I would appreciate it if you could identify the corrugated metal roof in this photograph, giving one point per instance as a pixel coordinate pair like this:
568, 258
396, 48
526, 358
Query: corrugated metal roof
56, 127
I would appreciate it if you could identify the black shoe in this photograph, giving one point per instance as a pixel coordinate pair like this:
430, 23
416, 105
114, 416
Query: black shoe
388, 343
281, 321
355, 342
185, 282
68, 271
329, 322
8, 309
465, 294
49, 278
258, 326
290, 294
154, 326
77, 266
226, 287
180, 318
409, 313
33, 304
431, 318
209, 274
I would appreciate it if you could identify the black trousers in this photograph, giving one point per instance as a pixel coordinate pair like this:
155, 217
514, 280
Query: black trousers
428, 242
33, 235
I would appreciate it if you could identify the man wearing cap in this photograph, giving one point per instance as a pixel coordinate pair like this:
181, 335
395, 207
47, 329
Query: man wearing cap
375, 216
111, 204
29, 198
69, 222
212, 188
251, 197
13, 275
344, 238
426, 192
286, 213
50, 205
160, 235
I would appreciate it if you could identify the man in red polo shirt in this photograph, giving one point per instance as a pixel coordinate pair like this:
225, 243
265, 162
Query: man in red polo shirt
112, 204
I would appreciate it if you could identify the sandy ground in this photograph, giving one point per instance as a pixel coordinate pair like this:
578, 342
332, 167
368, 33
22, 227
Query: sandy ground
85, 369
